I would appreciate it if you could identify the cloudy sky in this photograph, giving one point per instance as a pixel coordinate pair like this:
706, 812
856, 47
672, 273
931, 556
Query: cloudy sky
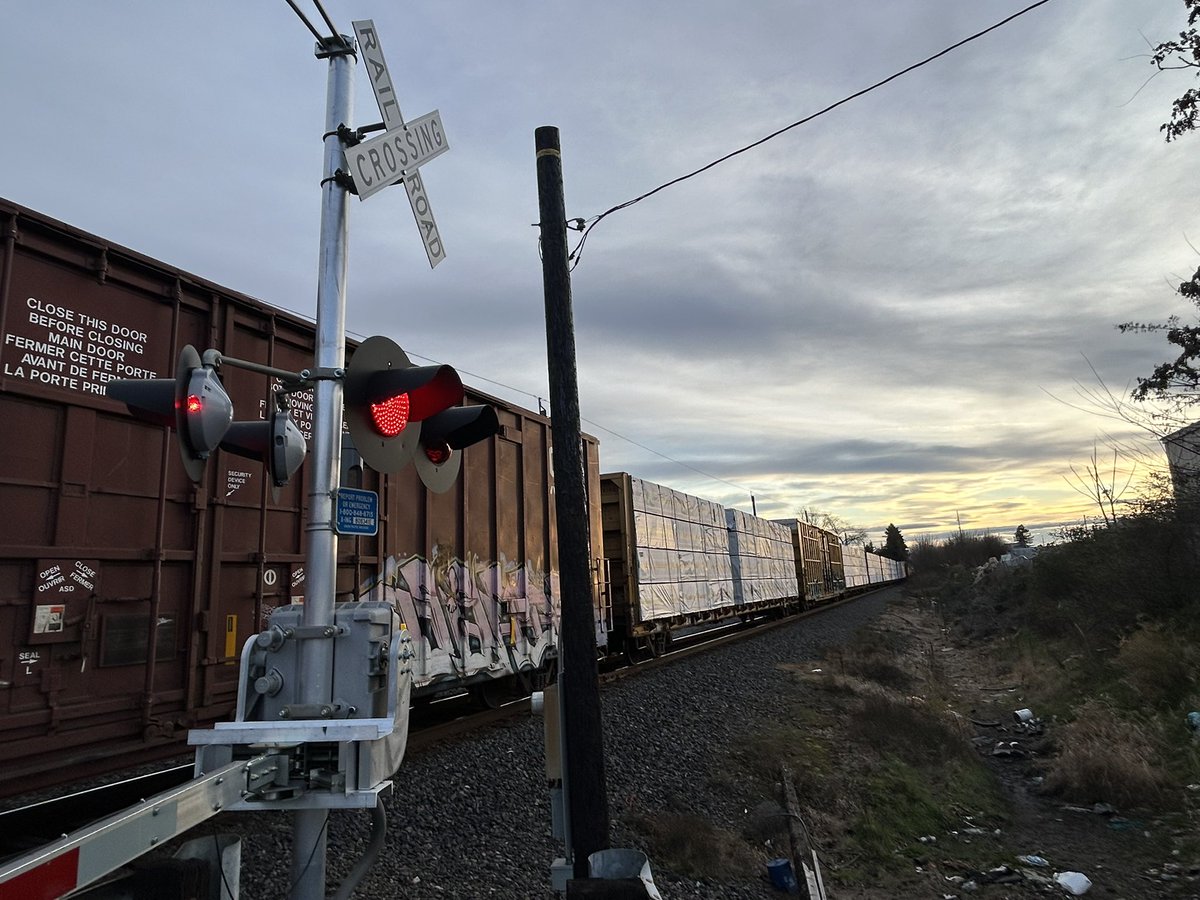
883, 314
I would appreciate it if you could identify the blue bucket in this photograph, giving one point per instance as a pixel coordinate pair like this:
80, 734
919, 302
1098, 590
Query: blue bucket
782, 876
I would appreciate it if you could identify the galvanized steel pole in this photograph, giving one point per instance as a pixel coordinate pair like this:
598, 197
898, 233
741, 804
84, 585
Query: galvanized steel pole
324, 461
584, 781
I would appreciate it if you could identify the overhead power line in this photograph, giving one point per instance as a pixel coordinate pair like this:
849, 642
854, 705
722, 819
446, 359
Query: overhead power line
577, 253
678, 462
594, 424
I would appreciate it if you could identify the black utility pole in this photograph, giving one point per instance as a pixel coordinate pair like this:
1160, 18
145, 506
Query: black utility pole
586, 792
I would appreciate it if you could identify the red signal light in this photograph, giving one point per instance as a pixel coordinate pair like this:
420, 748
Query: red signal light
193, 404
438, 454
390, 416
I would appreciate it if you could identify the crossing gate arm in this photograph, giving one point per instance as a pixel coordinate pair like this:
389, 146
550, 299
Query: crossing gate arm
79, 858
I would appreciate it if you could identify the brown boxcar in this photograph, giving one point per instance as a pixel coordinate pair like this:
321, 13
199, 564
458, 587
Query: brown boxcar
818, 561
126, 592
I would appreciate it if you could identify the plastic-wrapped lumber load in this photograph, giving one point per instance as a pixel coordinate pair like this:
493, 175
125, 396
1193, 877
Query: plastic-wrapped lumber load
874, 568
682, 552
763, 559
854, 562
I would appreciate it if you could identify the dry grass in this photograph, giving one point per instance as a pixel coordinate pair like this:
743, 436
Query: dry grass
904, 765
872, 656
1159, 666
907, 729
881, 760
1106, 757
687, 843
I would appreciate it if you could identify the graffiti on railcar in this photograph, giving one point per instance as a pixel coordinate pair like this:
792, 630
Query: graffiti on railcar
471, 617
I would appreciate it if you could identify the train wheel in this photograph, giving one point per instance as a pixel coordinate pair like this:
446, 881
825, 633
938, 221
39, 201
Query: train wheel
638, 650
660, 643
539, 679
493, 693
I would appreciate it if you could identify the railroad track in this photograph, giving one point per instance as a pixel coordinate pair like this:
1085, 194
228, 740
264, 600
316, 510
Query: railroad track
37, 823
691, 645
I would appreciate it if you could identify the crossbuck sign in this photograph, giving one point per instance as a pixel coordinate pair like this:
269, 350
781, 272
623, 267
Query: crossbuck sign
396, 154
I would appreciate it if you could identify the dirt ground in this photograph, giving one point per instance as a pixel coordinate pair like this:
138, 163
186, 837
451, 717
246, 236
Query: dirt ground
1125, 854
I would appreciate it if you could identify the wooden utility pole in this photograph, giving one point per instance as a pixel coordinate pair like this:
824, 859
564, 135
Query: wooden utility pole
584, 782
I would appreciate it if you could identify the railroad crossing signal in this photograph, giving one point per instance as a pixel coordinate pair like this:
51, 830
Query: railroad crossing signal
395, 155
277, 442
397, 412
195, 404
443, 438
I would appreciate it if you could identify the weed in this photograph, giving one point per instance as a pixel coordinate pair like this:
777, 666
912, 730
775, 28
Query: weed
901, 803
693, 847
872, 655
1159, 666
801, 743
892, 726
1107, 757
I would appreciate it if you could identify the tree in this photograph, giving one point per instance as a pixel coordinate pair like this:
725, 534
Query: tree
893, 544
1182, 54
1103, 486
1021, 536
845, 531
1177, 381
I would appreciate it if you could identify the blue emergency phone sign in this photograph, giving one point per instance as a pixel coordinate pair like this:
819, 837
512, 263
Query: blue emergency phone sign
356, 512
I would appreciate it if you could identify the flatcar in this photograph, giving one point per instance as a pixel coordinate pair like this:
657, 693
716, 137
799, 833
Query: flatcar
675, 561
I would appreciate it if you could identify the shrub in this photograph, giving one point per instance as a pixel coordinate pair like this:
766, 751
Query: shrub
1159, 666
963, 548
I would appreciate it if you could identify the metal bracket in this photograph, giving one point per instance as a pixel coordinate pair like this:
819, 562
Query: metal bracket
323, 374
215, 359
363, 130
316, 711
335, 45
263, 771
345, 181
313, 632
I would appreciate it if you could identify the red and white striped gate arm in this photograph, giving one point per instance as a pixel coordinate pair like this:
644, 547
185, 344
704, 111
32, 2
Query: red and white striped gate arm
79, 858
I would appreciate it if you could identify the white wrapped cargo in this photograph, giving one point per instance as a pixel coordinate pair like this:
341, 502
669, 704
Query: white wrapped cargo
681, 551
763, 559
854, 563
864, 567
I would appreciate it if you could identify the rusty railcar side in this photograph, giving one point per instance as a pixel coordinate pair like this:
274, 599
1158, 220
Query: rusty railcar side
819, 565
126, 592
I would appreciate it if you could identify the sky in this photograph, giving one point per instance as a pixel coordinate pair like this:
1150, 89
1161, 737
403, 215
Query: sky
886, 314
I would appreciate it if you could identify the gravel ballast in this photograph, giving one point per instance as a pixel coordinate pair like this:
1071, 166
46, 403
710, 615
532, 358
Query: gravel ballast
471, 818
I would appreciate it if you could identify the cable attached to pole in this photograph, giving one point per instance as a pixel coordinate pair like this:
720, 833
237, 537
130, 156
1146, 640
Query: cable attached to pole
374, 847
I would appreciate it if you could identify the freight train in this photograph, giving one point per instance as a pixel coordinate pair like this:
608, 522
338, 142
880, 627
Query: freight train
127, 591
